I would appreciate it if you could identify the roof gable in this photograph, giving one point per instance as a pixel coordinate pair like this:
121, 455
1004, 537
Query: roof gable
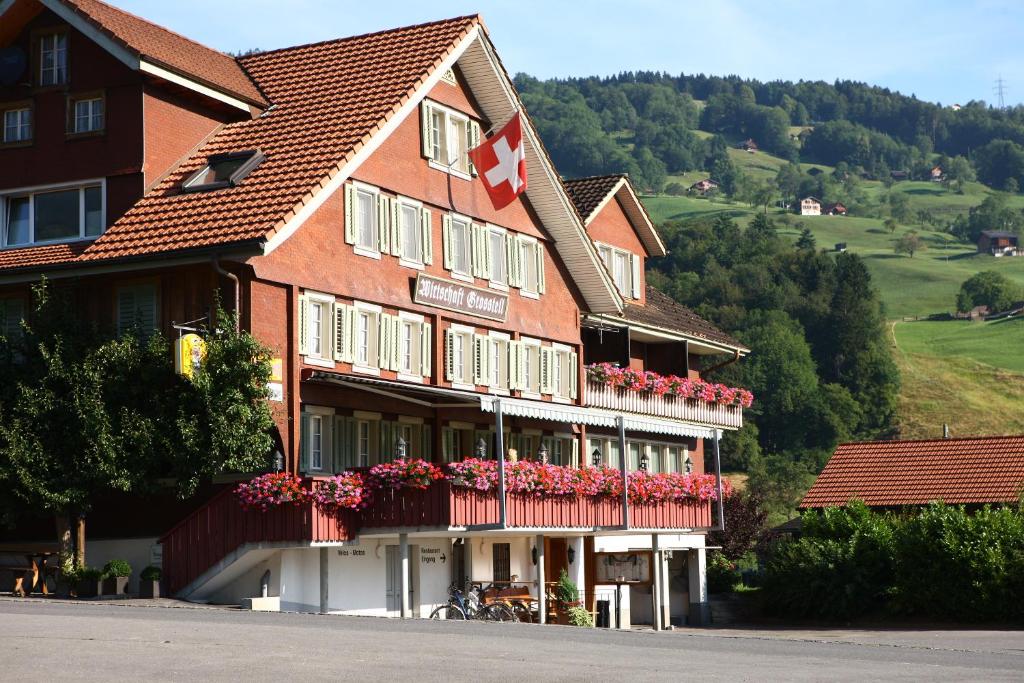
895, 473
593, 193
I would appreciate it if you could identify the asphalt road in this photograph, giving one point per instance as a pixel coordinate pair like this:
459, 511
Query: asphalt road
54, 640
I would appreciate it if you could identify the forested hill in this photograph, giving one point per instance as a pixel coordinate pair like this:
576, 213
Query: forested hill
649, 124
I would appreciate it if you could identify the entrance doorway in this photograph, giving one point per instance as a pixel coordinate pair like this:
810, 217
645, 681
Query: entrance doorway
556, 558
393, 579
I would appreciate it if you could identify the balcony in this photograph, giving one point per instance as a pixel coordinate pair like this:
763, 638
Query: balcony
600, 395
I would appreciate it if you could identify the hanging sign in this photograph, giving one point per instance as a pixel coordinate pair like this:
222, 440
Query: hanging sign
189, 354
455, 296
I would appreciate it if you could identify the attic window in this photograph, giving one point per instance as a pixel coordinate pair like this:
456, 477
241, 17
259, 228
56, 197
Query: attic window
223, 170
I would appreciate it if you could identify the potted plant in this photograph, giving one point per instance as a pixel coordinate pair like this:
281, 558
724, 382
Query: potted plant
149, 582
567, 594
87, 581
115, 577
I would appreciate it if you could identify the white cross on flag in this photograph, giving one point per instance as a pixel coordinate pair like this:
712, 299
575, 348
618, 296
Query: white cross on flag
501, 162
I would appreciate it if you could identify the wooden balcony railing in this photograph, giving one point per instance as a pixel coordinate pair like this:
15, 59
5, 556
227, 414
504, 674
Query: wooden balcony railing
600, 395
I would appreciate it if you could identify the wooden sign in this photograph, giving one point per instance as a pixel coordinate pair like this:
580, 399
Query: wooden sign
455, 296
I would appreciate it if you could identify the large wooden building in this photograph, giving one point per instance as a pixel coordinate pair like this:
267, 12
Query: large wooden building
325, 192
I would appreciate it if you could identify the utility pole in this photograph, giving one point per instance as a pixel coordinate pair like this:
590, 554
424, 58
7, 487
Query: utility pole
1000, 91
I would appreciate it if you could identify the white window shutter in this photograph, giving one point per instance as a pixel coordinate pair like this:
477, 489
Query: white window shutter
426, 131
383, 224
383, 341
427, 232
474, 141
485, 263
575, 452
350, 213
635, 263
479, 360
446, 240
303, 325
474, 234
426, 337
340, 316
574, 375
449, 355
396, 226
350, 333
545, 370
510, 260
539, 254
515, 365
304, 442
396, 343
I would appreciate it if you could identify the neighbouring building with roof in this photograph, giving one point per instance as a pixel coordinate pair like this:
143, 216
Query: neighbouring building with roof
837, 209
810, 206
970, 471
936, 175
705, 186
749, 145
998, 243
324, 192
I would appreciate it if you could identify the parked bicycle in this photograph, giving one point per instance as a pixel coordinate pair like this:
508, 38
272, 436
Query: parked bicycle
461, 607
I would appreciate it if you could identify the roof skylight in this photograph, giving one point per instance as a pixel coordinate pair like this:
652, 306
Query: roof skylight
223, 170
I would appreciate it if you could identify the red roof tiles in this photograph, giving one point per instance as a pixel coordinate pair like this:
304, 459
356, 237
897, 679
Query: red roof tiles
895, 473
588, 193
169, 49
328, 99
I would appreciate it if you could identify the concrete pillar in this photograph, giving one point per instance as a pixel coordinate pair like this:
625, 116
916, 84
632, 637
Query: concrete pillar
578, 569
656, 587
666, 589
700, 610
403, 551
324, 576
542, 597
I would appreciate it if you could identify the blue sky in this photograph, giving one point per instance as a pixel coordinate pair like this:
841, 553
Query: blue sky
942, 50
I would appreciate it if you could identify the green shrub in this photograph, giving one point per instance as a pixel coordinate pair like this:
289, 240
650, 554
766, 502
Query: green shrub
579, 616
88, 574
723, 575
119, 568
566, 590
151, 573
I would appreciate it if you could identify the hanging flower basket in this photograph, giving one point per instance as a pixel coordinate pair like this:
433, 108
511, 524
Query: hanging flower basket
399, 474
271, 490
345, 491
668, 385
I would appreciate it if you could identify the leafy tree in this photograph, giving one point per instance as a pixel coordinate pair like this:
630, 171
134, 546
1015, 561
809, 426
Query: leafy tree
806, 240
1000, 161
899, 206
744, 522
891, 225
787, 180
83, 413
958, 171
988, 288
910, 243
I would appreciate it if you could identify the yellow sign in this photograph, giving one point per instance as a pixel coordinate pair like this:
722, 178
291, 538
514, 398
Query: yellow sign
276, 371
189, 354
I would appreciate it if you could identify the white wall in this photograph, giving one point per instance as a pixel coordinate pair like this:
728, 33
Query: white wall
520, 558
248, 584
138, 552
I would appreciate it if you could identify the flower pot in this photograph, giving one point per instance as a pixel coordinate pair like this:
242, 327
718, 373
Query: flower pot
87, 588
149, 589
114, 585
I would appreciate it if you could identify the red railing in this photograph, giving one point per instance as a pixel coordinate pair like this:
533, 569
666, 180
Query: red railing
221, 526
444, 505
600, 395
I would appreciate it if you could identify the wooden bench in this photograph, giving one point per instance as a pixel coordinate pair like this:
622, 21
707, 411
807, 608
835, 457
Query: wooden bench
27, 563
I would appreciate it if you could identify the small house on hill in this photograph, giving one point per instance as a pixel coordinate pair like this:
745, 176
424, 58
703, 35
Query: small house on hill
837, 209
749, 145
936, 175
704, 186
998, 243
810, 206
970, 471
899, 175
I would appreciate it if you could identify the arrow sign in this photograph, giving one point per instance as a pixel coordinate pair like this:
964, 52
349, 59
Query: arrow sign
443, 560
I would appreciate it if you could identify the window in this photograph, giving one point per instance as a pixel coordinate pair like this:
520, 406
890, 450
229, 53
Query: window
53, 59
559, 374
86, 115
447, 137
459, 342
413, 346
53, 215
407, 352
364, 336
316, 436
624, 268
315, 317
223, 170
498, 257
531, 367
497, 361
411, 234
137, 309
458, 246
17, 125
502, 563
529, 269
366, 220
363, 443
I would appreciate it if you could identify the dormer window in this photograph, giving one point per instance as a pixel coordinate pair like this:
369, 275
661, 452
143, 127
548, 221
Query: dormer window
223, 170
624, 267
53, 59
61, 214
447, 137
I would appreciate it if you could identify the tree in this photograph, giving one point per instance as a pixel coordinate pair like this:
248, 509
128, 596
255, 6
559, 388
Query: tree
987, 288
958, 171
84, 413
910, 244
891, 225
899, 206
806, 240
744, 521
788, 179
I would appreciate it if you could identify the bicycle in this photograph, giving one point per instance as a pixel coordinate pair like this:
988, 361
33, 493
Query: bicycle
460, 608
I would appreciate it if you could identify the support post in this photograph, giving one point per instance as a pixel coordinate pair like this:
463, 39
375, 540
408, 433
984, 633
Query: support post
719, 524
499, 426
403, 550
700, 610
324, 578
624, 468
656, 586
542, 596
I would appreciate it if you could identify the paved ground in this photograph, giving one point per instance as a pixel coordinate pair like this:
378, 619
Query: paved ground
108, 641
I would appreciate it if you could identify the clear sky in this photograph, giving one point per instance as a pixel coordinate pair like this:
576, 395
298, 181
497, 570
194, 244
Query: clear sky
941, 50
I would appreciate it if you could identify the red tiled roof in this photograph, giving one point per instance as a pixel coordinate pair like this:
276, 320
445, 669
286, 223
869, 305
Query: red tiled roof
895, 473
328, 100
169, 49
661, 310
588, 193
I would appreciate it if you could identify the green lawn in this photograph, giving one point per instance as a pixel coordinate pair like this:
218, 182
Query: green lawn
996, 343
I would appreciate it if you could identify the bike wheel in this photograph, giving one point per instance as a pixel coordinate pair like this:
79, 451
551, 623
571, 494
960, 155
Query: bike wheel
450, 612
496, 612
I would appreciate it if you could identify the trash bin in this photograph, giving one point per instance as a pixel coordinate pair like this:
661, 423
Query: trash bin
604, 614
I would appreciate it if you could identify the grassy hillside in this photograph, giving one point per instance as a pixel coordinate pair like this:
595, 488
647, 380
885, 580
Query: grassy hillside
967, 375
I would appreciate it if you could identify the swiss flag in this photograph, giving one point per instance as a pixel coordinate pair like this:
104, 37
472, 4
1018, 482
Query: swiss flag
501, 163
